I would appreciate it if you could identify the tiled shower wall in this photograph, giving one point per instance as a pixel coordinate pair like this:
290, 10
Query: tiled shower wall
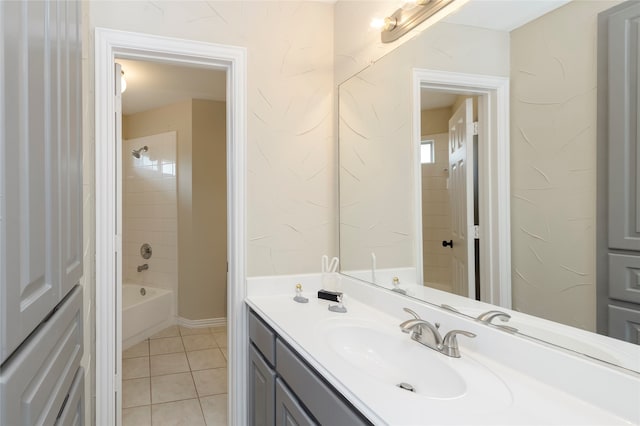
149, 210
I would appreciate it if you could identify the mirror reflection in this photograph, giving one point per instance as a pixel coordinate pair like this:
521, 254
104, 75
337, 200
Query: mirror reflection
416, 183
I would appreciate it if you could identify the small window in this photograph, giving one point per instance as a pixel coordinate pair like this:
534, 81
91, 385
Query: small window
426, 152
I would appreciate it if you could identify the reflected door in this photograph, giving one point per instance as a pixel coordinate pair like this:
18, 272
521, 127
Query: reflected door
461, 199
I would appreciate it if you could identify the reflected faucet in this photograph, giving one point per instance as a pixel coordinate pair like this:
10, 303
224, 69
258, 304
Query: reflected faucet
143, 267
487, 317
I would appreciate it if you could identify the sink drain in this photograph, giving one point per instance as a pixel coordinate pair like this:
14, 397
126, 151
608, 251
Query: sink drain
406, 386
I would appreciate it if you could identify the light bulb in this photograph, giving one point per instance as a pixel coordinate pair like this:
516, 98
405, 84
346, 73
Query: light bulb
377, 23
123, 82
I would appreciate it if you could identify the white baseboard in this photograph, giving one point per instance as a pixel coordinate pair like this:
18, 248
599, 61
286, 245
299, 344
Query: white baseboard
201, 323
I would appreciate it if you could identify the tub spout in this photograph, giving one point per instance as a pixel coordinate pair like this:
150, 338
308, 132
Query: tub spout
143, 267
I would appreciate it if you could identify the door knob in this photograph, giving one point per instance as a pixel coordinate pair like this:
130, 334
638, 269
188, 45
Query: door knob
447, 243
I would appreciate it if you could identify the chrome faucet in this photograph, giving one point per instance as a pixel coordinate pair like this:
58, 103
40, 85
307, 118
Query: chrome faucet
488, 316
143, 267
425, 333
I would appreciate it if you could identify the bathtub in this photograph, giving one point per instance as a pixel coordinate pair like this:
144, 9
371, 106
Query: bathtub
145, 315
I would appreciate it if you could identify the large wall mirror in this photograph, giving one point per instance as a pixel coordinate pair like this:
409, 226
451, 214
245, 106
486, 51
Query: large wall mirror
468, 170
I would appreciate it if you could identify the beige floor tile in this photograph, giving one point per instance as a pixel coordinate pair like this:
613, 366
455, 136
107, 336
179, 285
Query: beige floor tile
169, 364
188, 331
167, 332
179, 413
138, 350
199, 341
210, 382
221, 339
172, 387
206, 358
136, 416
219, 329
214, 408
225, 352
135, 368
135, 392
165, 345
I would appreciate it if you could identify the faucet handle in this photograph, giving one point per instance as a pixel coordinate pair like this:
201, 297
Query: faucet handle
488, 316
450, 342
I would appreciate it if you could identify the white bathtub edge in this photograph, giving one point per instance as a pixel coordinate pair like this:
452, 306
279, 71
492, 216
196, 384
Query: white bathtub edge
202, 323
145, 334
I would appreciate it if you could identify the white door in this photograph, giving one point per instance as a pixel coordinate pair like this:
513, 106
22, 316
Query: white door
461, 199
40, 163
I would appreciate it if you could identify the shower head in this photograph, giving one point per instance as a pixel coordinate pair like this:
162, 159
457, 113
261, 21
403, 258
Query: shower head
136, 152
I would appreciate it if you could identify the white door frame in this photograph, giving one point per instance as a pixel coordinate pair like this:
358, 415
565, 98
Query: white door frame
109, 45
493, 174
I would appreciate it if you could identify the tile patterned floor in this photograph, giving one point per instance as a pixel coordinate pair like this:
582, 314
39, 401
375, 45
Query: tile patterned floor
177, 377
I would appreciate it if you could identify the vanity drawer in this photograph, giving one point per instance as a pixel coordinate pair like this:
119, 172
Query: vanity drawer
624, 324
263, 337
624, 277
324, 403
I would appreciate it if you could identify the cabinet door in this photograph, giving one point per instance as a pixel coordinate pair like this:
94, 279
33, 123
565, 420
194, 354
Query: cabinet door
624, 324
288, 410
40, 163
261, 390
624, 130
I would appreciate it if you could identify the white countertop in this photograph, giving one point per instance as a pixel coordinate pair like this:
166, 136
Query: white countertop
512, 397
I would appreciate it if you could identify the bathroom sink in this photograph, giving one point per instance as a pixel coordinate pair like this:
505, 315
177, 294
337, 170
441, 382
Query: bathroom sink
386, 358
390, 359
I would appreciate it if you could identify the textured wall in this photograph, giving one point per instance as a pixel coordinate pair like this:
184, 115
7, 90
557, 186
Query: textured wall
291, 207
553, 164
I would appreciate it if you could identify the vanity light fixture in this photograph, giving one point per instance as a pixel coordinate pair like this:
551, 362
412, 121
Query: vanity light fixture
415, 13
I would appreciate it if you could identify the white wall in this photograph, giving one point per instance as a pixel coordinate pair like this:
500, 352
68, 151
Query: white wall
290, 119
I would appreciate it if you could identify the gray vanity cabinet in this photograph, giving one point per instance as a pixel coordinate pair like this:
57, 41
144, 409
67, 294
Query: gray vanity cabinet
618, 237
288, 411
285, 390
262, 380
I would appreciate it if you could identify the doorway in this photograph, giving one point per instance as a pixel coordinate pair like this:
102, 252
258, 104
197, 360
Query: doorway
449, 192
494, 245
174, 231
110, 45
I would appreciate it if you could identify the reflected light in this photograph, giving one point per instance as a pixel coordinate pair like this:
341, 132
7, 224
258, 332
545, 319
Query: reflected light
377, 23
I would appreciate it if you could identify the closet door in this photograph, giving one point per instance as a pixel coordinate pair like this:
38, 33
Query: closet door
619, 181
624, 133
40, 158
68, 113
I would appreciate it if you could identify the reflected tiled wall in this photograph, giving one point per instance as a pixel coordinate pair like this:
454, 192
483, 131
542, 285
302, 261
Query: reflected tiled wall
149, 210
436, 216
